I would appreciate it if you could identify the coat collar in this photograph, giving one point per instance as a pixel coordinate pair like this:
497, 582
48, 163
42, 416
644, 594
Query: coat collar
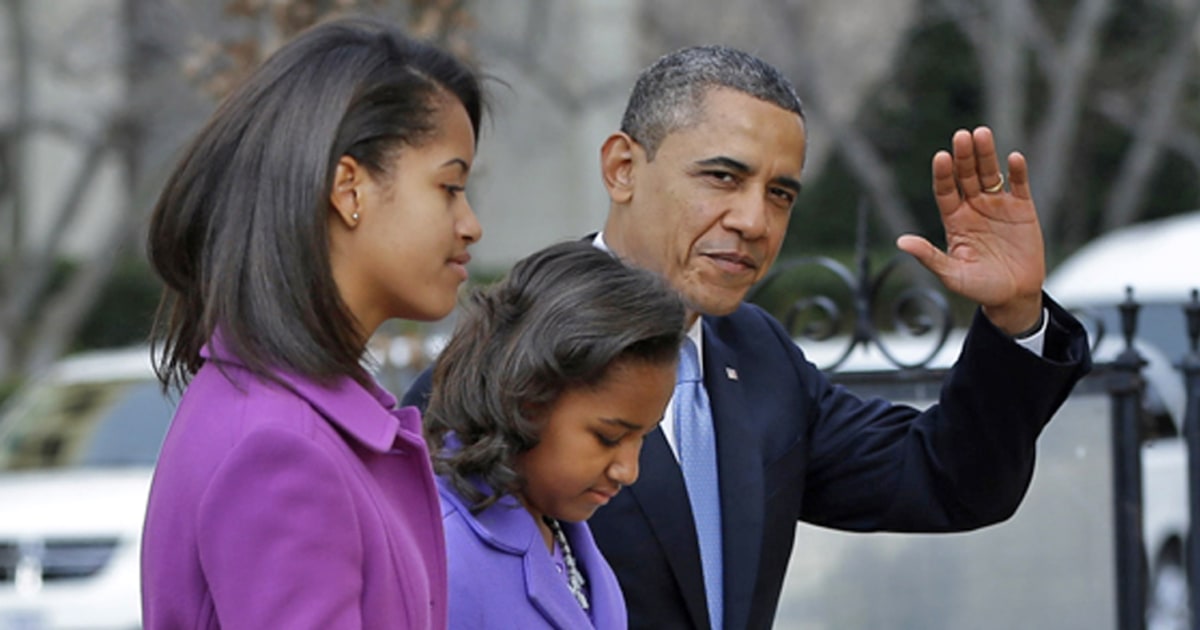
508, 528
366, 415
505, 525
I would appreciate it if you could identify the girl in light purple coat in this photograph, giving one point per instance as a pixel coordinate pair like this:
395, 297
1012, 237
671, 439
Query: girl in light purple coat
325, 196
539, 406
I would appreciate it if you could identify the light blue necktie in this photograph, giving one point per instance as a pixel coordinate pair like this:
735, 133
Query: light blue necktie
697, 445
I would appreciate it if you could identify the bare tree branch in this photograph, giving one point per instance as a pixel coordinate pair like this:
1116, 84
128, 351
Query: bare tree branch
39, 264
21, 92
547, 80
526, 51
1041, 42
37, 320
1004, 76
861, 156
64, 313
1139, 161
875, 174
1180, 139
967, 17
1053, 139
14, 145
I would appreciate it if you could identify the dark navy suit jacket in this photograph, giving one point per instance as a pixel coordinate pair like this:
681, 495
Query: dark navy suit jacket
792, 446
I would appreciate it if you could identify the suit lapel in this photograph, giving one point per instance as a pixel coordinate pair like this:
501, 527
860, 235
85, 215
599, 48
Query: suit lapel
662, 497
740, 463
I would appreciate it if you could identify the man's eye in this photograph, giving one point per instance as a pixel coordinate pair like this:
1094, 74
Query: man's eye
720, 176
786, 196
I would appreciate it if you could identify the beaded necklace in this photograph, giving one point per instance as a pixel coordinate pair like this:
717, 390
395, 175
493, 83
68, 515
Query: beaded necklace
574, 576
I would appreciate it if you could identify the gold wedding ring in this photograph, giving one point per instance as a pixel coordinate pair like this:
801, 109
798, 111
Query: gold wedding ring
999, 186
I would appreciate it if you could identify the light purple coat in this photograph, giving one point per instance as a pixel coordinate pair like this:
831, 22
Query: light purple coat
297, 507
502, 576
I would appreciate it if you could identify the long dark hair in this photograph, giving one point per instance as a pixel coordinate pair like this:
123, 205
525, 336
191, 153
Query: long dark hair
560, 319
240, 234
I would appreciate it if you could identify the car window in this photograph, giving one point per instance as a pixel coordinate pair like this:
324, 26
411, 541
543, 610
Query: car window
96, 424
1162, 324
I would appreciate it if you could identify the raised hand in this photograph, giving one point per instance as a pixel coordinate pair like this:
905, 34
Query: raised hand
994, 254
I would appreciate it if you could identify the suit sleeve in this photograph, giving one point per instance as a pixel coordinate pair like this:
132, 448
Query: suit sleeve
963, 463
278, 537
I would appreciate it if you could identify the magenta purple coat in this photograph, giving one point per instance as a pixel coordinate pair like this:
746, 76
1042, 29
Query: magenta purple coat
502, 576
292, 507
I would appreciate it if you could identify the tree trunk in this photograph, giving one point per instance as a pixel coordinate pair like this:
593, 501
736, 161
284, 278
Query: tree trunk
63, 315
1004, 75
875, 175
12, 251
1053, 141
1158, 118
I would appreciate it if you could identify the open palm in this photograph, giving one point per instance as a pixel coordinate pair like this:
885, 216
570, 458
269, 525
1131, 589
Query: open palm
994, 254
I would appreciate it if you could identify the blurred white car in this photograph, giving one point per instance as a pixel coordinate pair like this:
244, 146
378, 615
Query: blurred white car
77, 451
1160, 261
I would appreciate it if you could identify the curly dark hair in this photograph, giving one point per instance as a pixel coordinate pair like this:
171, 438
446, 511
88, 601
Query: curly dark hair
561, 319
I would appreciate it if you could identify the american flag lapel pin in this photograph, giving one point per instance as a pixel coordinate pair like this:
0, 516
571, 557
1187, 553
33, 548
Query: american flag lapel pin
731, 373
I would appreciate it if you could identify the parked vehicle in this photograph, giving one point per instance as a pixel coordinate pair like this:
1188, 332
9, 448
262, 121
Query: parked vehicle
77, 450
1158, 262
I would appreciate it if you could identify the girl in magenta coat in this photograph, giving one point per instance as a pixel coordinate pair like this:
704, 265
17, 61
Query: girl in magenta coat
325, 196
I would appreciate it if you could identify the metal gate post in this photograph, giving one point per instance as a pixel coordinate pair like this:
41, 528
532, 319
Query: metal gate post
1191, 433
1125, 387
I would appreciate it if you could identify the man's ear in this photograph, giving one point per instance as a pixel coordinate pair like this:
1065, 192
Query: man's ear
616, 166
349, 177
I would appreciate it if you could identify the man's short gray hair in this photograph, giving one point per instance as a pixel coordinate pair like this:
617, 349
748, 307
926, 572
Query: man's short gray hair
668, 95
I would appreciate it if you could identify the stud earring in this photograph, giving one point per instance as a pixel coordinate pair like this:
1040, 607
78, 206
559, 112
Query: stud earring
354, 216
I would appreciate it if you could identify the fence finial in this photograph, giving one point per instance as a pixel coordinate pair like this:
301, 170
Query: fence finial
1129, 312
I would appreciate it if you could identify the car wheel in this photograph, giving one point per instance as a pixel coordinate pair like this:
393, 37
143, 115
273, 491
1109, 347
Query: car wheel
1167, 606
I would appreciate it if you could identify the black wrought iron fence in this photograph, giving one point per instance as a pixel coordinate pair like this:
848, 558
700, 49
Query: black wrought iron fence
871, 318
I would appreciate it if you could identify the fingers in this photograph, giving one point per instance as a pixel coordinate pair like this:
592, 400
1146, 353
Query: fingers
976, 168
920, 248
965, 167
1018, 176
945, 187
988, 166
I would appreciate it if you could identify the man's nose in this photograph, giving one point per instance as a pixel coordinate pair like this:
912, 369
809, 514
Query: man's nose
748, 215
